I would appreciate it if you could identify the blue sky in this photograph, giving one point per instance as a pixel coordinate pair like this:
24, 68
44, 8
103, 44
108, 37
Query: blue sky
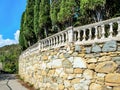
10, 16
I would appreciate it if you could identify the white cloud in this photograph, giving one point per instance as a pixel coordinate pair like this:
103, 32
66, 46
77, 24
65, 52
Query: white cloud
4, 42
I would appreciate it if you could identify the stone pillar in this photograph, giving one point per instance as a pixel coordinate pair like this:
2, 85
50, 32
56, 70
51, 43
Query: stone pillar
70, 34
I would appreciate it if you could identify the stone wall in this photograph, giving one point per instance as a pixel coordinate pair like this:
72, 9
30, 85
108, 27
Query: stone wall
74, 67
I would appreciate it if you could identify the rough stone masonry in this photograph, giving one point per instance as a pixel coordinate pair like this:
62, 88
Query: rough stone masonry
74, 67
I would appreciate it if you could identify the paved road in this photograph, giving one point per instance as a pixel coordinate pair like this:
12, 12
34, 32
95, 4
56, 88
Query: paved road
10, 82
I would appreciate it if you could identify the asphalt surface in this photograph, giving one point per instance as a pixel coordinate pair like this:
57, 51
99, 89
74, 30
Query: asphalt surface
10, 82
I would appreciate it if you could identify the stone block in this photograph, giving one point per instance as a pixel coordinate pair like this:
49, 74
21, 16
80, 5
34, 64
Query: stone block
57, 63
44, 57
96, 48
113, 79
69, 70
81, 55
66, 55
91, 66
61, 56
71, 88
88, 50
95, 86
59, 80
43, 73
75, 54
54, 86
66, 64
106, 67
77, 48
71, 76
60, 87
92, 60
51, 72
58, 71
75, 81
88, 74
105, 58
117, 60
79, 63
109, 46
66, 83
116, 88
78, 71
78, 87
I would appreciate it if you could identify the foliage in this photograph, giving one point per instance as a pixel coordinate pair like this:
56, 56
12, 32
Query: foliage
9, 56
43, 18
54, 10
29, 32
95, 8
67, 11
36, 18
22, 39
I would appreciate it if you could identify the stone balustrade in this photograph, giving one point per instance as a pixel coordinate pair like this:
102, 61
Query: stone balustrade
98, 32
83, 35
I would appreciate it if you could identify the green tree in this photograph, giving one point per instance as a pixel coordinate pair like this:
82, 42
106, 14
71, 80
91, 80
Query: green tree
44, 16
94, 8
36, 18
29, 30
9, 56
22, 40
67, 12
54, 9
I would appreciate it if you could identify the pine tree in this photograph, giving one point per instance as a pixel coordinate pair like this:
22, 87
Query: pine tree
29, 32
22, 39
44, 16
36, 18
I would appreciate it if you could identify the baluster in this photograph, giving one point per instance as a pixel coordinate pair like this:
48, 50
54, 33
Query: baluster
103, 31
47, 44
90, 34
96, 32
111, 30
59, 39
118, 28
63, 38
50, 42
66, 37
54, 41
78, 35
84, 34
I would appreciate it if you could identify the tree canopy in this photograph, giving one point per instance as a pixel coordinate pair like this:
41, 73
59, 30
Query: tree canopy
9, 56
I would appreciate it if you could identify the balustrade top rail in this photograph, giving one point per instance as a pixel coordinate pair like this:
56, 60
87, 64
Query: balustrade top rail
83, 35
